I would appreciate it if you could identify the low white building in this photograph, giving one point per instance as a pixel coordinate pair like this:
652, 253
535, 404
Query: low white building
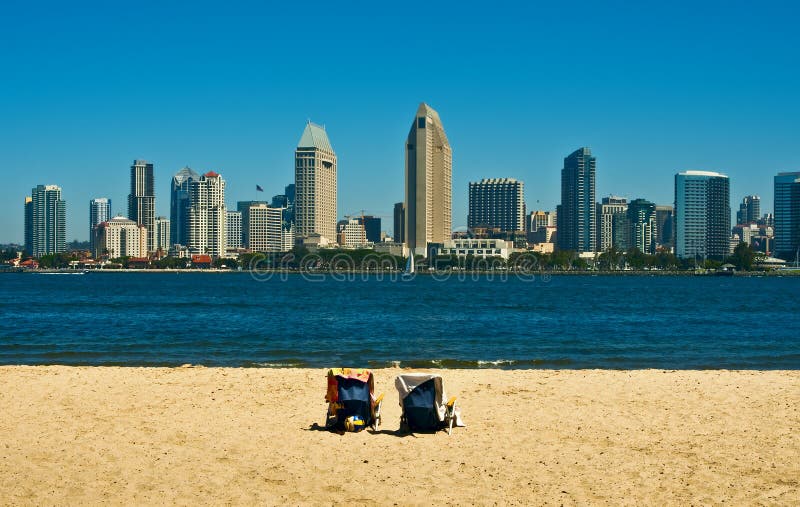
477, 248
120, 237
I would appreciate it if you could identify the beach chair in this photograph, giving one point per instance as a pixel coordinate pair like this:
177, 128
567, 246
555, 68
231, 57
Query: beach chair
422, 398
352, 405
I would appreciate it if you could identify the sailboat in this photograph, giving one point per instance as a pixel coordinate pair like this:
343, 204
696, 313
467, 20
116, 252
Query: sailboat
410, 263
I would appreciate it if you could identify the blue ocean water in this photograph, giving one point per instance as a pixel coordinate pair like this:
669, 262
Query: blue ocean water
623, 322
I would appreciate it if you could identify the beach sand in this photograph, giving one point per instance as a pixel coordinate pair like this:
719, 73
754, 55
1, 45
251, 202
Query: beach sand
89, 435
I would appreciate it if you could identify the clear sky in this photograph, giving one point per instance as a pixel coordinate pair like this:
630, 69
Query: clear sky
652, 87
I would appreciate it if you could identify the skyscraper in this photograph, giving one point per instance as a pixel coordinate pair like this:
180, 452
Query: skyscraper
787, 215
179, 205
233, 223
665, 224
206, 215
28, 225
48, 221
429, 188
263, 227
163, 233
643, 228
315, 184
497, 203
702, 214
99, 212
372, 227
577, 221
399, 232
142, 199
749, 210
612, 224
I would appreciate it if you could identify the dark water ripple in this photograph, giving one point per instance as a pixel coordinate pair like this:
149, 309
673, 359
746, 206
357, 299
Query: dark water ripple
566, 322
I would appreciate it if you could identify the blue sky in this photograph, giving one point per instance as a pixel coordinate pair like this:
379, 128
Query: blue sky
653, 88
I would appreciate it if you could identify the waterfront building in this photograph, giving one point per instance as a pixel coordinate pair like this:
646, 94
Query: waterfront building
399, 232
702, 214
612, 223
233, 223
787, 215
372, 227
162, 234
206, 215
537, 219
497, 203
642, 225
428, 182
351, 233
577, 220
266, 229
665, 225
477, 248
47, 221
315, 184
99, 211
120, 237
179, 205
142, 199
29, 225
749, 210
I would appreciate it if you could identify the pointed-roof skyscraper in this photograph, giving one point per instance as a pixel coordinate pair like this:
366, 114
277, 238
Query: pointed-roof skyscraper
315, 184
429, 182
179, 205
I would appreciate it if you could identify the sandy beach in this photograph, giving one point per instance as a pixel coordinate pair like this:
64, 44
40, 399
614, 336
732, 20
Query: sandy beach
92, 435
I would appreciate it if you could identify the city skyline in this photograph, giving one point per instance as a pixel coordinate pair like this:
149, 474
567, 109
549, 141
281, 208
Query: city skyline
685, 93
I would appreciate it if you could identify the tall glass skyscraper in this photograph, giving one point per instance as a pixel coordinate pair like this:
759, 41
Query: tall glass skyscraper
99, 212
749, 210
179, 205
142, 199
48, 221
577, 214
702, 215
315, 184
429, 182
787, 215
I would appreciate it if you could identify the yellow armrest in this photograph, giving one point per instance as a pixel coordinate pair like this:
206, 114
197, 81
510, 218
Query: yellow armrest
451, 401
379, 399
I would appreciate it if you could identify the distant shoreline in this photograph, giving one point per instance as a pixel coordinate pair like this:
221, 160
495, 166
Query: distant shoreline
756, 274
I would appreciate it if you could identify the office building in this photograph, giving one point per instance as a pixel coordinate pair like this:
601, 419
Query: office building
612, 223
702, 215
399, 223
477, 248
749, 210
497, 203
142, 199
206, 216
315, 184
47, 221
233, 223
787, 215
351, 233
537, 219
428, 182
179, 205
665, 225
99, 211
120, 237
162, 235
577, 220
372, 227
29, 225
266, 229
643, 228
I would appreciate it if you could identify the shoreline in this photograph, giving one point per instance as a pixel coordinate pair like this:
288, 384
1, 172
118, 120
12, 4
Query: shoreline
497, 273
124, 435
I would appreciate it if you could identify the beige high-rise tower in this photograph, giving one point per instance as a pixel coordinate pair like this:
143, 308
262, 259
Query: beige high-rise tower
315, 184
429, 176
